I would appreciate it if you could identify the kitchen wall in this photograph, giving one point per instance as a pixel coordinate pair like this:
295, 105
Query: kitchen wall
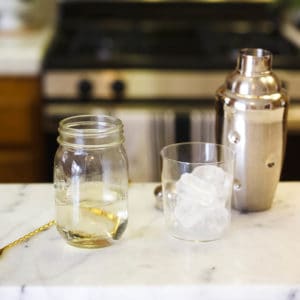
19, 14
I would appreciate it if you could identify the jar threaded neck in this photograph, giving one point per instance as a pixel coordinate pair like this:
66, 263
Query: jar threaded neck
90, 131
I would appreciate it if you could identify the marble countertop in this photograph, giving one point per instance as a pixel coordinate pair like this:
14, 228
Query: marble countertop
22, 53
258, 258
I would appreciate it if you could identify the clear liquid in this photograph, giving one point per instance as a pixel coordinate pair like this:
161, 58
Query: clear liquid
91, 216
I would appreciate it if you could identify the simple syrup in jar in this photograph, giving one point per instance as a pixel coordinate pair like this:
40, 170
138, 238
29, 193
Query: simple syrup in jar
91, 181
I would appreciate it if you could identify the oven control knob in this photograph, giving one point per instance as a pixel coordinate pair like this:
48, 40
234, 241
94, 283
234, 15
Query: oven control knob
118, 86
85, 88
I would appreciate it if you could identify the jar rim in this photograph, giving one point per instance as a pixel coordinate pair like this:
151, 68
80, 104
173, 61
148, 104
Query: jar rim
90, 125
90, 131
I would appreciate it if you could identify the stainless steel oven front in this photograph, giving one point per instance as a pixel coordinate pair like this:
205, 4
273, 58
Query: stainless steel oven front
156, 107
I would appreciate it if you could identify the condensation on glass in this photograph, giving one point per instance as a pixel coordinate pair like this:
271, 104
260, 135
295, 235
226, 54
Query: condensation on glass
91, 181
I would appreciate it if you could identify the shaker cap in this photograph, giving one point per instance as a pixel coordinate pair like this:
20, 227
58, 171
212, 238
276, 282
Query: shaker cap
254, 61
253, 78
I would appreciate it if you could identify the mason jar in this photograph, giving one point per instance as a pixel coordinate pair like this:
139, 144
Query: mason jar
91, 181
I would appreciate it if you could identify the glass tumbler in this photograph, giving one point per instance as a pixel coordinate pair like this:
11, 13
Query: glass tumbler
91, 181
197, 181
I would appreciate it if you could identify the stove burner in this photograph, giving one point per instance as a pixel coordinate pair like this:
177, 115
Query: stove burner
187, 46
200, 37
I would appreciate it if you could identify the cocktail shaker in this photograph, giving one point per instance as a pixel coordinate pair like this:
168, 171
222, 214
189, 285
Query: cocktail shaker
251, 109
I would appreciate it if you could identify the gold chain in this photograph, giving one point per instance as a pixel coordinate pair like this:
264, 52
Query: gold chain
95, 211
27, 236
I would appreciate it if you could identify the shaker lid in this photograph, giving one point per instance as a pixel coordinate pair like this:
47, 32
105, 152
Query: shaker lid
254, 61
253, 77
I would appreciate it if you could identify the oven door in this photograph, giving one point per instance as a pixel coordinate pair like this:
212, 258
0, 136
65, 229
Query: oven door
147, 129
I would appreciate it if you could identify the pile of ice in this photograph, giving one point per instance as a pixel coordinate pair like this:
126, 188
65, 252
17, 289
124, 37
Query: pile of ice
202, 200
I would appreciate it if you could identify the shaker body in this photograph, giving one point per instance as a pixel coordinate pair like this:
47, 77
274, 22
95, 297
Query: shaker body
251, 119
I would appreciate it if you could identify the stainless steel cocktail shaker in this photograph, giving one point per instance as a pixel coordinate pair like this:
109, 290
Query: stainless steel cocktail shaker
251, 111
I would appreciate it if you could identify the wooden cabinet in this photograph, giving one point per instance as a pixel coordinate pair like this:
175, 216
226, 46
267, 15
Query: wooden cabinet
20, 129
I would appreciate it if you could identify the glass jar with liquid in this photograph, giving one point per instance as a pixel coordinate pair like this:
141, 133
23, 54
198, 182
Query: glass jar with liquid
91, 181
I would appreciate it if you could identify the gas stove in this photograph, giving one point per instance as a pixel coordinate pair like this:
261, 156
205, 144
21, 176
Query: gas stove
165, 44
116, 49
158, 57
